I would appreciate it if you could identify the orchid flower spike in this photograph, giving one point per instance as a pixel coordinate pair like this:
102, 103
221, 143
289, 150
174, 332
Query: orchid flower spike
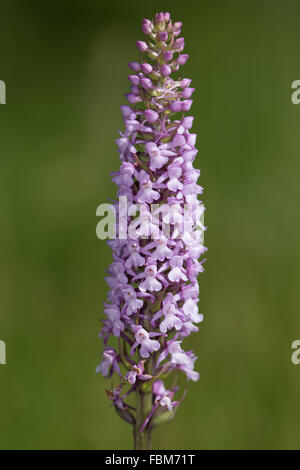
152, 303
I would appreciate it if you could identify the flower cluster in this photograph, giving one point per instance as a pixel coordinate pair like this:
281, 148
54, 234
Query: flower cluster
153, 296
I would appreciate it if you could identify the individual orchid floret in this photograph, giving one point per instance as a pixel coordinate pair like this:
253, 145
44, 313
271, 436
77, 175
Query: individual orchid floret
157, 159
163, 397
109, 363
190, 309
137, 373
163, 409
146, 192
143, 338
173, 213
151, 116
135, 259
160, 247
114, 322
177, 272
123, 409
174, 173
151, 277
114, 396
132, 303
142, 46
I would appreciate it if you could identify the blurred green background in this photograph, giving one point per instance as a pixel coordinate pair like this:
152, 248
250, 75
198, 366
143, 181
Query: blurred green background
65, 66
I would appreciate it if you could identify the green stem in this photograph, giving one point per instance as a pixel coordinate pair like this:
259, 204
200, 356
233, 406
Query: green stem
142, 440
